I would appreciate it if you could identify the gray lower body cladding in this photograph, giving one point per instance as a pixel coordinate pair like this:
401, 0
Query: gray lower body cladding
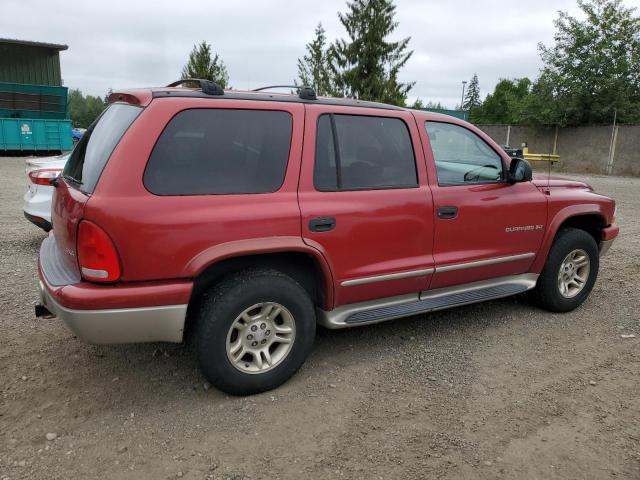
376, 311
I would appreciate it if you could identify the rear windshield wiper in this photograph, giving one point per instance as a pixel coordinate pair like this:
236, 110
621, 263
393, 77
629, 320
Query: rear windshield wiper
76, 183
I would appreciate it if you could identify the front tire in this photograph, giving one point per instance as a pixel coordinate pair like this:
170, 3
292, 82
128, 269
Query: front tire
255, 330
570, 271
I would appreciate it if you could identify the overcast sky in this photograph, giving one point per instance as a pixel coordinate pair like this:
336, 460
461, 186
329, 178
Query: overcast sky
137, 43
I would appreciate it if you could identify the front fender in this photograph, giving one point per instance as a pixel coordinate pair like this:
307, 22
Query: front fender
556, 222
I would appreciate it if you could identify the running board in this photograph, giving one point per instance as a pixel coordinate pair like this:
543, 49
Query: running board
380, 310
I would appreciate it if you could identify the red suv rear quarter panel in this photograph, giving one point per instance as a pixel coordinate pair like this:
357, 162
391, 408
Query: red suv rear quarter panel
164, 237
67, 209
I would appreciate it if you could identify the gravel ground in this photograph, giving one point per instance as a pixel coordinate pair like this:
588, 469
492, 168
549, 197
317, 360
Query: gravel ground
495, 390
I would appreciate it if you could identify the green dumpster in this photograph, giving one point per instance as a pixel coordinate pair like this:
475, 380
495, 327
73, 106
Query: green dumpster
33, 101
34, 118
33, 134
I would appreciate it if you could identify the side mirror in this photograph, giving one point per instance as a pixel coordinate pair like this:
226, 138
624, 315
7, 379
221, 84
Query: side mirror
520, 170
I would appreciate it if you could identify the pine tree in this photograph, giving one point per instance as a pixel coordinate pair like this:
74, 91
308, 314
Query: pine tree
418, 104
366, 66
202, 65
472, 98
313, 68
437, 105
106, 97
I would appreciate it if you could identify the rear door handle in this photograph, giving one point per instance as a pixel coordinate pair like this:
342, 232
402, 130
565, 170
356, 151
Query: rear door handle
447, 212
322, 224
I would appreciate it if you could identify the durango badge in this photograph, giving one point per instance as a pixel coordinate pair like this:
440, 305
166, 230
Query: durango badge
524, 228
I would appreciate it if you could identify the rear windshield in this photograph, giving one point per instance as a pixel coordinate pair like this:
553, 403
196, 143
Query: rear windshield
94, 149
220, 151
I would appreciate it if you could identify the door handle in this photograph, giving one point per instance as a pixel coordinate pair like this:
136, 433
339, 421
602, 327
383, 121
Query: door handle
447, 212
322, 224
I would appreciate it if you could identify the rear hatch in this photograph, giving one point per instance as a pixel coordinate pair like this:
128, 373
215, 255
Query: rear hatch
80, 177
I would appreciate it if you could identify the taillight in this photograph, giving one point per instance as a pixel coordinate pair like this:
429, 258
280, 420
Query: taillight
97, 255
43, 176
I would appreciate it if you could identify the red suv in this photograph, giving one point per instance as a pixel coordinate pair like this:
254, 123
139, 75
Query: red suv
247, 218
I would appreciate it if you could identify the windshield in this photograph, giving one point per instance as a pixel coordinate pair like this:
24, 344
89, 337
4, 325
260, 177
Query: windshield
92, 152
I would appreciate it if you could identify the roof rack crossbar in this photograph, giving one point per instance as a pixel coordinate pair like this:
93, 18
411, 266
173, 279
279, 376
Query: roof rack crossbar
207, 86
304, 92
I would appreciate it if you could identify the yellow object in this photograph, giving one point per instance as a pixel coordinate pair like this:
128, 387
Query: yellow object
546, 157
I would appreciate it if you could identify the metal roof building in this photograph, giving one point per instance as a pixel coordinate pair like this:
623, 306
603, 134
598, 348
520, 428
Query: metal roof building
34, 113
37, 63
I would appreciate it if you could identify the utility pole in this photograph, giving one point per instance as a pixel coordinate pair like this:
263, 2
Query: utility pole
612, 145
464, 83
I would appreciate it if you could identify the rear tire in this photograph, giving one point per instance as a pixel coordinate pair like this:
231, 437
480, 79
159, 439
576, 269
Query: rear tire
255, 330
570, 271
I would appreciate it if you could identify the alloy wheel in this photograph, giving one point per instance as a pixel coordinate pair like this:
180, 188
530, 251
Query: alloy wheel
260, 337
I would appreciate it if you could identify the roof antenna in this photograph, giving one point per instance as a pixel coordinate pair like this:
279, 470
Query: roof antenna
550, 161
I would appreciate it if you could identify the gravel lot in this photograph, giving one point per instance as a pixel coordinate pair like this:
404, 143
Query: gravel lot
495, 390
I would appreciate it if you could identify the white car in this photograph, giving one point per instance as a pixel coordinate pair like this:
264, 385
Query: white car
37, 199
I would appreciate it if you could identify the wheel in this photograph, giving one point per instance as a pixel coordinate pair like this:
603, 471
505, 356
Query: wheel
570, 272
255, 329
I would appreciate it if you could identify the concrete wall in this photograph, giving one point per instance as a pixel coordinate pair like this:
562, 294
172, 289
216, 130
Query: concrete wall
581, 149
627, 154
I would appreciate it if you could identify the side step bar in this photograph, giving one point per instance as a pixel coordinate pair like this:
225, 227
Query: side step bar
380, 310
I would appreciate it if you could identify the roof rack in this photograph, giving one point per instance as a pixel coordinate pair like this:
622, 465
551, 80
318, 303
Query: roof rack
268, 97
207, 86
304, 92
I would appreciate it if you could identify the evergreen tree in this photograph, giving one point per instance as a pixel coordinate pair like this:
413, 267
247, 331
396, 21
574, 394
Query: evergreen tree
106, 97
203, 65
313, 68
437, 105
418, 104
366, 65
472, 98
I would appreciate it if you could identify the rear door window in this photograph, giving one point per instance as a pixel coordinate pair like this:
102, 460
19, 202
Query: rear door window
356, 152
92, 152
220, 151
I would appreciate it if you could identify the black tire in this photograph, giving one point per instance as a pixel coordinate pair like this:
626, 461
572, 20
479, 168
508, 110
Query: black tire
225, 302
547, 292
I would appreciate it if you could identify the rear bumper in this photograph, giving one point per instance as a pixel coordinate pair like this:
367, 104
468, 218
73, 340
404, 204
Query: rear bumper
37, 205
43, 223
609, 234
121, 313
120, 325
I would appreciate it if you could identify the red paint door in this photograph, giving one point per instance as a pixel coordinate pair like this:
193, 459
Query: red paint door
365, 200
485, 227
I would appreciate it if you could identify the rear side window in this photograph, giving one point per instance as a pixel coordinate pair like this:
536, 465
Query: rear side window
92, 152
356, 152
220, 151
